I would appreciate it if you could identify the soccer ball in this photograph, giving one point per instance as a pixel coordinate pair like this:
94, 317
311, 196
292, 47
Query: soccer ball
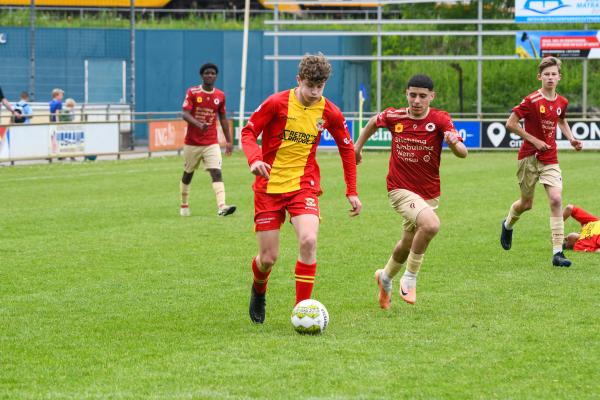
310, 316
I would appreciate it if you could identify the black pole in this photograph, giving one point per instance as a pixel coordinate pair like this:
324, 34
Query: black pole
458, 69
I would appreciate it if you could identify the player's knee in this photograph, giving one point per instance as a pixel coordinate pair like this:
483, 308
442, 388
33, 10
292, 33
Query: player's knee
556, 201
216, 175
430, 227
526, 205
268, 258
308, 242
186, 179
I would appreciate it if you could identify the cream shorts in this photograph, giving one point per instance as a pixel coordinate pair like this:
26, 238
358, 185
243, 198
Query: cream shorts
209, 155
409, 205
531, 170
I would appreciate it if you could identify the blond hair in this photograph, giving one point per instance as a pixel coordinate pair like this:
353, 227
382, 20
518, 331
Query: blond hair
314, 68
69, 102
56, 92
549, 62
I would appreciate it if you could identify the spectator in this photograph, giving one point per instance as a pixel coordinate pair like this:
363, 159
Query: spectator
6, 103
67, 114
23, 112
56, 104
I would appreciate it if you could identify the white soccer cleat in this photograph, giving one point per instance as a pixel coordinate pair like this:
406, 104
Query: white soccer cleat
184, 211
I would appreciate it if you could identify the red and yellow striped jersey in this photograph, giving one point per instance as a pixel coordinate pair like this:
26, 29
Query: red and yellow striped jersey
290, 135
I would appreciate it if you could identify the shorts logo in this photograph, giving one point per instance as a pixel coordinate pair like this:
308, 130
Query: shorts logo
216, 101
310, 202
542, 109
398, 128
412, 205
430, 127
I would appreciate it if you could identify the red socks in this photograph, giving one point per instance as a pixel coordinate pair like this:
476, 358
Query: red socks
305, 279
260, 278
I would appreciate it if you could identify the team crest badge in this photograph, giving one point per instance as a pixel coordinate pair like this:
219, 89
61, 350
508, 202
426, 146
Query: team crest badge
558, 111
320, 124
542, 109
430, 127
310, 202
216, 101
199, 99
398, 128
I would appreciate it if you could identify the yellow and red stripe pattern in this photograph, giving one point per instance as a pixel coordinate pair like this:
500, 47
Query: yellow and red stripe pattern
290, 136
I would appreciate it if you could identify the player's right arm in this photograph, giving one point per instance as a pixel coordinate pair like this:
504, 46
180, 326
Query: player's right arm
250, 133
365, 134
188, 105
512, 124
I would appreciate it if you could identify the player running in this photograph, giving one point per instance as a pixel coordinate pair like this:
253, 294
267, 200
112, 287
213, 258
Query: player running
542, 111
413, 180
202, 106
287, 174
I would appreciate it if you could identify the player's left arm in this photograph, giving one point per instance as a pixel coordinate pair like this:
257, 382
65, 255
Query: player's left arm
225, 126
566, 130
454, 140
339, 130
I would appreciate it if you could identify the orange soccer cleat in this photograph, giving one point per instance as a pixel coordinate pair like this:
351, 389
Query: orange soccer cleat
385, 297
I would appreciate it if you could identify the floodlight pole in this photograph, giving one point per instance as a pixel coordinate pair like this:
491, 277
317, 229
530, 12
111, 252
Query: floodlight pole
244, 66
379, 18
32, 50
479, 53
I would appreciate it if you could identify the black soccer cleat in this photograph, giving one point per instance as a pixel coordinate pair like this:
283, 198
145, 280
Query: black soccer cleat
257, 306
506, 237
559, 260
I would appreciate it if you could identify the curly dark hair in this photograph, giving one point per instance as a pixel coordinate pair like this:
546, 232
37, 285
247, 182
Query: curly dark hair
314, 68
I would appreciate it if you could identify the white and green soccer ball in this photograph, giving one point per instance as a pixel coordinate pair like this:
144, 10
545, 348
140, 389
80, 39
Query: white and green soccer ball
310, 316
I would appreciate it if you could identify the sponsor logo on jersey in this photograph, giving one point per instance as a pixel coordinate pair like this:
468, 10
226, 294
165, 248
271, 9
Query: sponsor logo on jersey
199, 99
542, 109
298, 137
398, 128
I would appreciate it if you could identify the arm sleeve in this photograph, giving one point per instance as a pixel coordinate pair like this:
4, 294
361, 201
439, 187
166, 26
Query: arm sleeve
523, 109
258, 120
563, 115
382, 121
582, 216
448, 125
339, 130
222, 109
188, 102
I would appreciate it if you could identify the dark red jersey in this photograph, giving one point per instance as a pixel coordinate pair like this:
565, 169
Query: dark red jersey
205, 107
290, 135
540, 119
416, 149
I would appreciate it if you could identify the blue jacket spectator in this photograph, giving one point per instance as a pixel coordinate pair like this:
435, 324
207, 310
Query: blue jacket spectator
23, 112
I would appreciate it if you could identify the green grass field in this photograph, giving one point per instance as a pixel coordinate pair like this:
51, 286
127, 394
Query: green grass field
106, 293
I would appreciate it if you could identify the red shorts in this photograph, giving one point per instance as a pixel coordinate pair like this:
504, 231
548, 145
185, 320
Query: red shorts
269, 208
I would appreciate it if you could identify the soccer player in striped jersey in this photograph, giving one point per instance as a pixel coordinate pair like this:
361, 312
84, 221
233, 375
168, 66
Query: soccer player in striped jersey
287, 174
542, 111
202, 106
589, 238
413, 180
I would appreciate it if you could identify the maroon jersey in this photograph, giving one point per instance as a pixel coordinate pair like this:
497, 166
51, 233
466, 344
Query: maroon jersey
416, 150
541, 116
205, 107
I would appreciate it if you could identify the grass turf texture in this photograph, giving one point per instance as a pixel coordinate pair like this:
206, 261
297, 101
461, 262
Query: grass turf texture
106, 293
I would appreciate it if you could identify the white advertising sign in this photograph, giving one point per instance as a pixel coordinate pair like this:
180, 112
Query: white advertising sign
540, 11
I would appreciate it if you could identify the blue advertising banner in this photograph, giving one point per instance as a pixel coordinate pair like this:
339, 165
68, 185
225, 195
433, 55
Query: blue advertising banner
540, 11
470, 131
327, 140
539, 44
